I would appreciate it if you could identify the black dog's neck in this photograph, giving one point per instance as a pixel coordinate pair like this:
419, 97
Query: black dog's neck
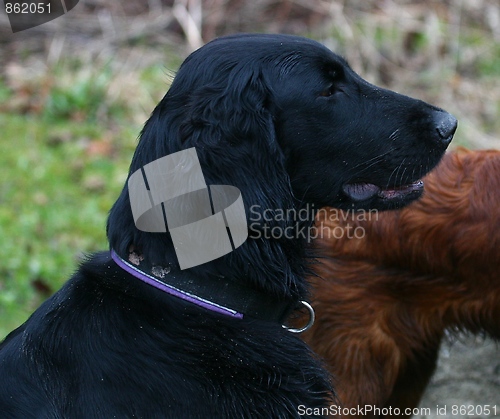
216, 294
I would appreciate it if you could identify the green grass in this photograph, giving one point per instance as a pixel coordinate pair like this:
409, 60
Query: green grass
65, 152
54, 197
86, 95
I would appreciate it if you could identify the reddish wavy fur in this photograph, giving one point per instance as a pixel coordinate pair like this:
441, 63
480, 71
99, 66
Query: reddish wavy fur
384, 301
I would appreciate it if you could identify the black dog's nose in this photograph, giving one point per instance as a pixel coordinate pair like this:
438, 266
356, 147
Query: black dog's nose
446, 125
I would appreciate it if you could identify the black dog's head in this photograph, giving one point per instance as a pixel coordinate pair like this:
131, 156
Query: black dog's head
287, 122
348, 143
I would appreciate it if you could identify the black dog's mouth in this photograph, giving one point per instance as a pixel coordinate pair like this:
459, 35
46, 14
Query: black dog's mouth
360, 192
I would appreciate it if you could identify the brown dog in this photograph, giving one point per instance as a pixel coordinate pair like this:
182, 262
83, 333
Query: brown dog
391, 283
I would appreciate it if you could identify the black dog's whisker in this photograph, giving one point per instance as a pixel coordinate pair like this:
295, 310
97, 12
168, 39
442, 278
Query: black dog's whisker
373, 160
394, 173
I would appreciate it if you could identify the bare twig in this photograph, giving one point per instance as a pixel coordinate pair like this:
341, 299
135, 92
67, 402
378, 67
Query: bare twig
189, 15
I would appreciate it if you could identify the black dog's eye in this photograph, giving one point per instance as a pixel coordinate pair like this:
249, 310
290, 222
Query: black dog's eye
331, 90
335, 79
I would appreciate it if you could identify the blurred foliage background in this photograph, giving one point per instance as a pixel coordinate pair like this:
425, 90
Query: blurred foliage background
75, 92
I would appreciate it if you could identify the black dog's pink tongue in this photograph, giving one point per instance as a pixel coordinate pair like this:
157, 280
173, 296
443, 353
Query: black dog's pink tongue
360, 191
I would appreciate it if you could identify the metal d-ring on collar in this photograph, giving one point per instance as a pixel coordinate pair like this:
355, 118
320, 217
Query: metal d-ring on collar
309, 323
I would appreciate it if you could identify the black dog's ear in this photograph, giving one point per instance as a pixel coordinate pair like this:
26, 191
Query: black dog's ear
230, 111
230, 122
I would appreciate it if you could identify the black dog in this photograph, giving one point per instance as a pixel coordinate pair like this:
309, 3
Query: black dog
290, 125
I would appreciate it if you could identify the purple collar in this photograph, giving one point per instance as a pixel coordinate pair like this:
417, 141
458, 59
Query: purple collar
232, 298
169, 289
